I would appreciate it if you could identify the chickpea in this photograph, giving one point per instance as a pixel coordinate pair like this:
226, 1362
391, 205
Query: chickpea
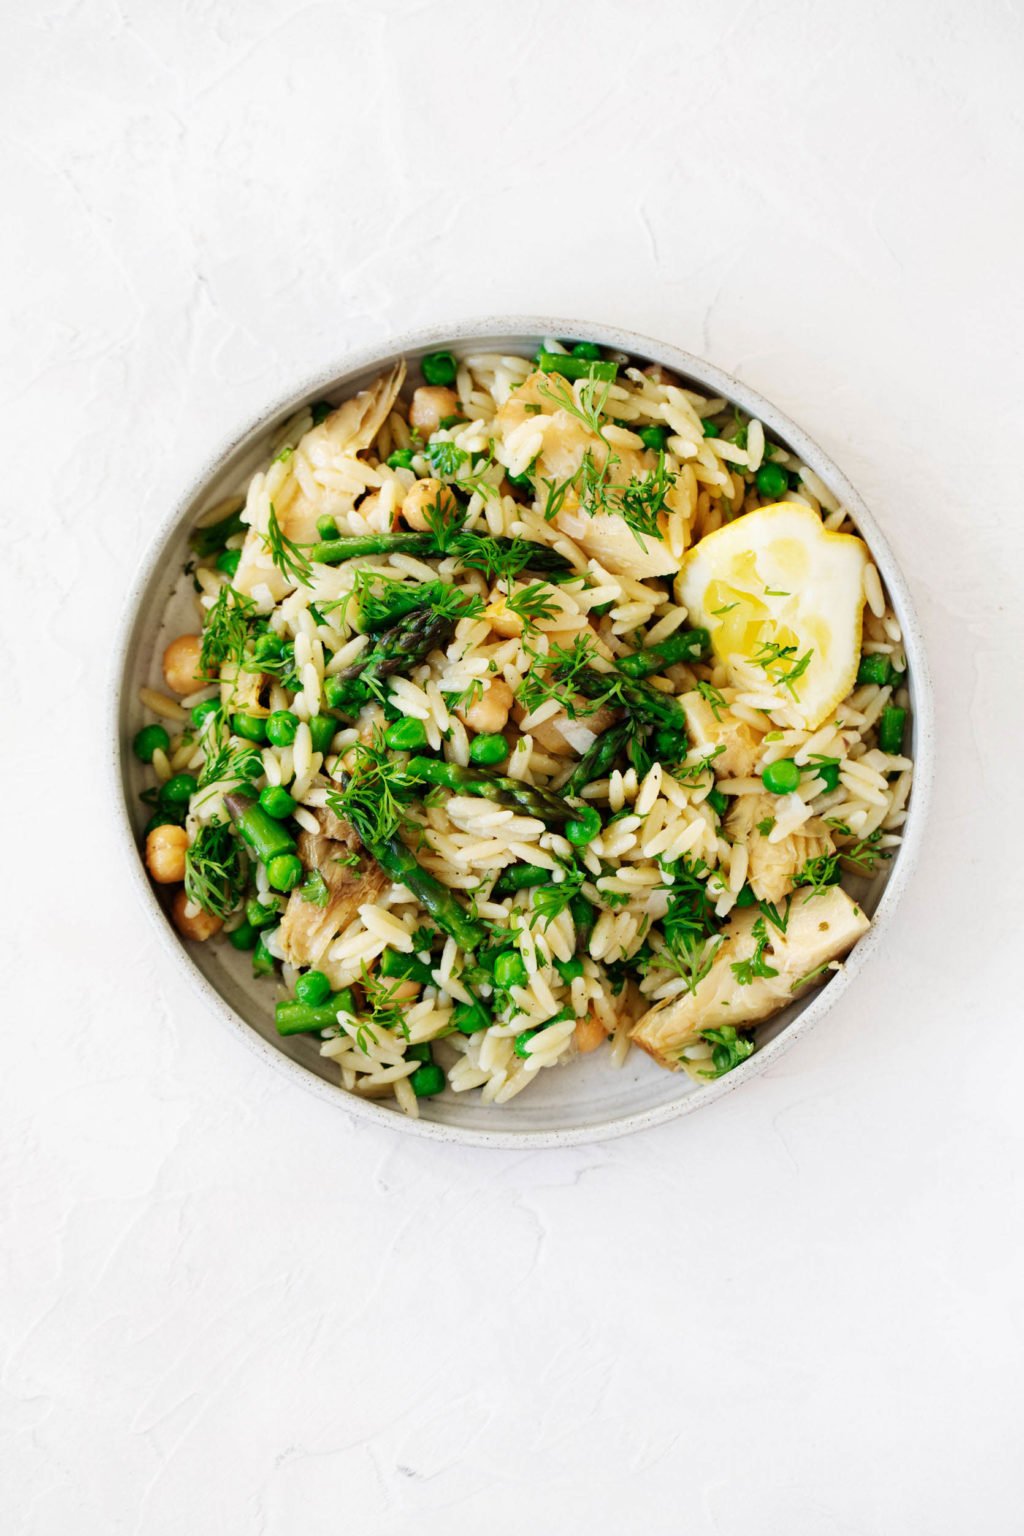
203, 926
589, 1033
181, 664
430, 405
404, 991
489, 715
165, 854
422, 498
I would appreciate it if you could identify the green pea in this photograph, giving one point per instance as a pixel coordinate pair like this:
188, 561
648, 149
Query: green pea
718, 802
523, 482
427, 1080
521, 1042
570, 969
263, 961
710, 430
654, 437
150, 739
268, 646
439, 368
401, 459
282, 726
828, 773
326, 528
322, 729
890, 730
228, 560
781, 778
313, 987
284, 871
250, 727
584, 827
510, 969
488, 749
244, 936
772, 481
470, 1018
178, 790
199, 712
277, 802
746, 897
420, 1052
406, 734
588, 349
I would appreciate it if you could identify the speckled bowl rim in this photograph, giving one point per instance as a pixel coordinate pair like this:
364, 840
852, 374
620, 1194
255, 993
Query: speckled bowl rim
717, 382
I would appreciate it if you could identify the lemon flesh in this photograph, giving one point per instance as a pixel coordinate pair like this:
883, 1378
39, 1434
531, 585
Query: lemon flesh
783, 602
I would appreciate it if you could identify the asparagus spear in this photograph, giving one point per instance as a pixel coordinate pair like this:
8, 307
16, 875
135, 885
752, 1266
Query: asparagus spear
519, 877
443, 905
266, 837
598, 759
547, 807
335, 551
295, 1018
685, 645
394, 650
640, 699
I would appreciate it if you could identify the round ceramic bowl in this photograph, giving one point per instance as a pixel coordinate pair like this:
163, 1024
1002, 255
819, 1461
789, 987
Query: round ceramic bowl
589, 1100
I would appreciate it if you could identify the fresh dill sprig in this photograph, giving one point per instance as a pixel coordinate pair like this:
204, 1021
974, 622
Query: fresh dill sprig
550, 901
588, 407
818, 874
372, 793
782, 658
531, 604
285, 553
557, 490
641, 502
216, 869
226, 630
714, 698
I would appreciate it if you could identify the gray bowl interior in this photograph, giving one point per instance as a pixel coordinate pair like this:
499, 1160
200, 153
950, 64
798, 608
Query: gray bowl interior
592, 1098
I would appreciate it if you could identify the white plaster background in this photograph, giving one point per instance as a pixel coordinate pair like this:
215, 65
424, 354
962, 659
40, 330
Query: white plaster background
226, 1306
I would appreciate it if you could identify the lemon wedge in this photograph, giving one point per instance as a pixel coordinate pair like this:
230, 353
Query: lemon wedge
783, 601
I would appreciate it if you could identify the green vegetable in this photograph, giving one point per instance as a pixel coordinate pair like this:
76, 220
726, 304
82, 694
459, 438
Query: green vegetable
327, 528
588, 349
320, 410
250, 727
654, 437
277, 802
470, 1018
542, 803
575, 367
497, 556
584, 826
890, 730
772, 481
322, 729
421, 1052
199, 712
298, 1018
427, 1080
228, 561
584, 915
442, 904
263, 961
522, 1042
260, 916
670, 745
685, 645
570, 969
488, 750
267, 838
207, 541
282, 727
245, 936
782, 777
439, 368
523, 482
729, 1049
718, 802
710, 429
406, 735
393, 651
401, 459
401, 967
519, 877
313, 988
177, 790
746, 897
161, 819
875, 668
510, 969
826, 769
284, 871
599, 758
150, 739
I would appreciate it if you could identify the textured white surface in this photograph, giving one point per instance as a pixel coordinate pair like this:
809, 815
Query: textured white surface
226, 1307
